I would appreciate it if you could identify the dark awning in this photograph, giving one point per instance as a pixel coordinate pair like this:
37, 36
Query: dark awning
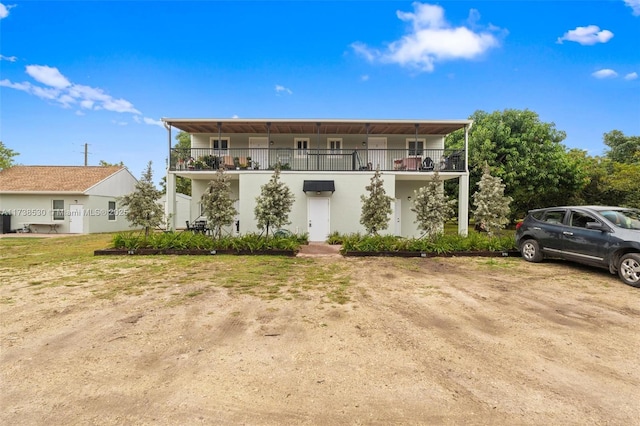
318, 186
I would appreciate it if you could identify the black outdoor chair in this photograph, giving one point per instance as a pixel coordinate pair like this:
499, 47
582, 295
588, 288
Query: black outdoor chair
357, 163
427, 164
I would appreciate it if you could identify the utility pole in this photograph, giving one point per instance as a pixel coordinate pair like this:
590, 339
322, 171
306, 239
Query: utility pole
86, 154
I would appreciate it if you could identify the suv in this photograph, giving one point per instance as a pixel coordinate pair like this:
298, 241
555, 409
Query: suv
608, 237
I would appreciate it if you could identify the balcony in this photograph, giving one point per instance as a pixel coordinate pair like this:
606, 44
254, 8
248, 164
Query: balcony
392, 160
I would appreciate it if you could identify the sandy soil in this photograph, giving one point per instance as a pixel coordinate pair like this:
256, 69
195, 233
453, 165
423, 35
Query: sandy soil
421, 341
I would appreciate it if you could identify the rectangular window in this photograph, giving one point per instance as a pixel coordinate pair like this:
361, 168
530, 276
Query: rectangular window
111, 213
334, 145
219, 146
301, 146
58, 209
415, 147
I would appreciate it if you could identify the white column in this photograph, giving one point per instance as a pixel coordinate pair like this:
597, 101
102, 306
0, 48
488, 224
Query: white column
463, 188
170, 207
463, 204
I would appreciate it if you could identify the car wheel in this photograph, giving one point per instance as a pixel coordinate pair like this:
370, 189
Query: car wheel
531, 251
629, 269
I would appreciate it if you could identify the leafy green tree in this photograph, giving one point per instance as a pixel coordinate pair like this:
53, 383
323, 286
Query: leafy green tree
103, 163
274, 203
143, 208
376, 208
432, 207
624, 182
218, 204
526, 153
492, 206
622, 149
6, 156
182, 150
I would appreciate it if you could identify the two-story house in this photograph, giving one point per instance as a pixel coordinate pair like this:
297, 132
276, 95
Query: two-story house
327, 163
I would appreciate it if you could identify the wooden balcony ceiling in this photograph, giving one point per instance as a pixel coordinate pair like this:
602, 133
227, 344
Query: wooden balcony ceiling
326, 127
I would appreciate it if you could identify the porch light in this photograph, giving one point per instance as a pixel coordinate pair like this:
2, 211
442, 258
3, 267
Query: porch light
271, 143
364, 143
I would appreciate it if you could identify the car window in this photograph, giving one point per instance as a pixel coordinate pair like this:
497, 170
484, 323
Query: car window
538, 215
580, 219
553, 216
629, 219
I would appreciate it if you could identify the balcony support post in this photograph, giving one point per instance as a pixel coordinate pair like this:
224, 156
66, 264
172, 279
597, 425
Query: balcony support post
170, 204
463, 189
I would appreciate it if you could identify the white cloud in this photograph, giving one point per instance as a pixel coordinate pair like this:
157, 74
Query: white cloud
364, 77
119, 123
48, 75
4, 10
431, 39
587, 36
634, 5
605, 73
282, 89
631, 76
153, 122
8, 58
59, 89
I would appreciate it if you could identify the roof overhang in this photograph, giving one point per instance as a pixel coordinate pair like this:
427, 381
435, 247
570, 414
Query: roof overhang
322, 126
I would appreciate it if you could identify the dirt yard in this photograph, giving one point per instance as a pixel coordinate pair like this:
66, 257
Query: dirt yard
418, 341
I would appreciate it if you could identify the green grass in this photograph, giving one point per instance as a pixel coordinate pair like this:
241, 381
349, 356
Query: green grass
43, 263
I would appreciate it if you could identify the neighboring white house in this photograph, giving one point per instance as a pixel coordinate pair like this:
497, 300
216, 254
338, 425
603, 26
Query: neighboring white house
65, 199
182, 211
327, 163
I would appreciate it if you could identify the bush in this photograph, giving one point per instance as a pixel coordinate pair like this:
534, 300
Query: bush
192, 241
441, 244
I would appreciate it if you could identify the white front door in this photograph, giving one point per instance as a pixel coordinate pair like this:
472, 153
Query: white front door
76, 216
318, 214
377, 155
398, 216
259, 152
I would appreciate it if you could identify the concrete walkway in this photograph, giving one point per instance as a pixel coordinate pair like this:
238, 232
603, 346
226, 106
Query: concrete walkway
319, 250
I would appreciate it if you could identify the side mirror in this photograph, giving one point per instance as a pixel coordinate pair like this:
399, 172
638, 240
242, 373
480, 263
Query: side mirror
597, 226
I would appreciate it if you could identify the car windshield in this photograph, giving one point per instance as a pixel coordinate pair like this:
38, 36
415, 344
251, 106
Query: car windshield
628, 219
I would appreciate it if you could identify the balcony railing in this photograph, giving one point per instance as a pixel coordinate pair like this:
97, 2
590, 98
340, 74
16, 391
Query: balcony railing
397, 160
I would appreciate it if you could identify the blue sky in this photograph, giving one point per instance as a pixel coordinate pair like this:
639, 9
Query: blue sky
104, 73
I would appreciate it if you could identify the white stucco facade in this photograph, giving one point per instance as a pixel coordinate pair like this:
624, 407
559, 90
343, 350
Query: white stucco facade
401, 164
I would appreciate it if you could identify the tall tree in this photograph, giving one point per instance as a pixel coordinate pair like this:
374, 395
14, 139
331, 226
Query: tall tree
143, 208
182, 150
103, 163
526, 153
492, 206
274, 203
623, 183
432, 207
6, 156
622, 149
376, 208
218, 204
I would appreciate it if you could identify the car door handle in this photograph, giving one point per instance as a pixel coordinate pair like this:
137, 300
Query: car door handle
567, 233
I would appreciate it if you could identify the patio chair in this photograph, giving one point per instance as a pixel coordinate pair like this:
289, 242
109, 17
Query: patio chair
357, 163
427, 164
228, 162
